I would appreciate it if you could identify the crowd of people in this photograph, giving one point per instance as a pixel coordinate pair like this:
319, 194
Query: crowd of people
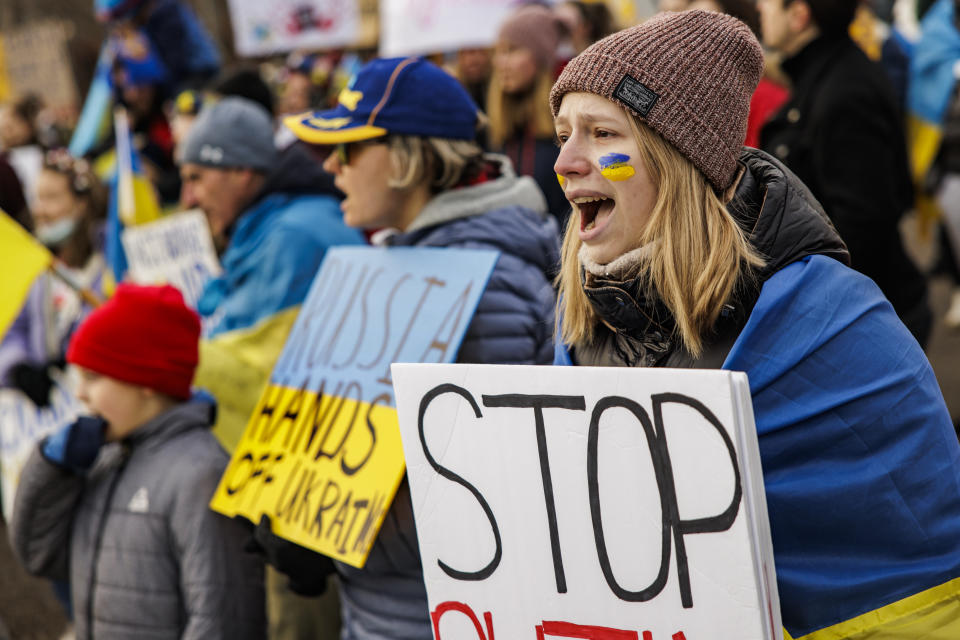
719, 186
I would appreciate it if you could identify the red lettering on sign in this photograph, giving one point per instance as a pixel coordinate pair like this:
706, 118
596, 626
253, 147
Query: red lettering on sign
584, 632
460, 607
679, 636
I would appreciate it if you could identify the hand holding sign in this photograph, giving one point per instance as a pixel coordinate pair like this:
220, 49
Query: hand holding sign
587, 503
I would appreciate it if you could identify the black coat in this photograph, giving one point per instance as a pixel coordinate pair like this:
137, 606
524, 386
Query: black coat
842, 133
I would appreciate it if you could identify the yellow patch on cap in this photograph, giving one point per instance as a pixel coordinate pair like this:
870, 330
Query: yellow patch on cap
326, 123
350, 98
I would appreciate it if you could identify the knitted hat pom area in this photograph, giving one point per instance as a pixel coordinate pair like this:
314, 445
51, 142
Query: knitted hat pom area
689, 76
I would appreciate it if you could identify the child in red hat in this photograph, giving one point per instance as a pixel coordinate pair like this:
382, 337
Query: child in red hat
117, 502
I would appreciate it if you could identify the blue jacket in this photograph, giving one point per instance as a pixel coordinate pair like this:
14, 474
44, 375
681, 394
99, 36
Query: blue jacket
513, 324
276, 247
861, 463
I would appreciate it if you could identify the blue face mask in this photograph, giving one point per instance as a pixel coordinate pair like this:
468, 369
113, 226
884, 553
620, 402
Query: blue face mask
55, 234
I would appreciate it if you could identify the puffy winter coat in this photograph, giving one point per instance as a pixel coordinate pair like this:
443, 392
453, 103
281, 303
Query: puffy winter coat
513, 324
861, 465
144, 554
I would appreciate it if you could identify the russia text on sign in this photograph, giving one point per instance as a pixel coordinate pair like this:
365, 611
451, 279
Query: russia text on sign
321, 454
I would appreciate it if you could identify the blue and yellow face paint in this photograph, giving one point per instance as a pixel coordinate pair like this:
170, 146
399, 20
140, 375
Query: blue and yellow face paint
613, 166
561, 180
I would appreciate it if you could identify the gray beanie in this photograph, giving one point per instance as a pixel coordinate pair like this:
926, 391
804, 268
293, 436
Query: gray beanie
233, 133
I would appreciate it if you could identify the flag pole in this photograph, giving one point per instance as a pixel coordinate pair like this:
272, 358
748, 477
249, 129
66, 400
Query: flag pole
58, 269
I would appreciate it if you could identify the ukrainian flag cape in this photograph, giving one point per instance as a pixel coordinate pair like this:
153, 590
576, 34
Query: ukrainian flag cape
861, 464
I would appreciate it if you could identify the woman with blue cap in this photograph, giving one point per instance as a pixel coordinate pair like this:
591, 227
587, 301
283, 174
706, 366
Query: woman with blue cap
404, 155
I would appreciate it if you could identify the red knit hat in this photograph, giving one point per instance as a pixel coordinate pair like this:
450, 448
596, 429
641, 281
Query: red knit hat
146, 336
688, 75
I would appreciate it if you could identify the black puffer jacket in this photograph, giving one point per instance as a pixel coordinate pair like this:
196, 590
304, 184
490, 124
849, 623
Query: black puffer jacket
842, 133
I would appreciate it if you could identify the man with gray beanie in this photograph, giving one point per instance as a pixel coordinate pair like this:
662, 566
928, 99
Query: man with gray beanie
276, 213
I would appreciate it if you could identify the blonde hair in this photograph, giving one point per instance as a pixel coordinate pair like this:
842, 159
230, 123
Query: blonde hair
698, 254
509, 112
442, 162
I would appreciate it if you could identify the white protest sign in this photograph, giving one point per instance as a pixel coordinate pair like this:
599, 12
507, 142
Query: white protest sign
415, 27
593, 503
175, 250
22, 425
263, 28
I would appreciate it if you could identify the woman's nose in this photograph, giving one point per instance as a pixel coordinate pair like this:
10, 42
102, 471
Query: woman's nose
572, 160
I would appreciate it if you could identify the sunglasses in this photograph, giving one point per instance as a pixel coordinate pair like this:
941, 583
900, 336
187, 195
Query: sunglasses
343, 150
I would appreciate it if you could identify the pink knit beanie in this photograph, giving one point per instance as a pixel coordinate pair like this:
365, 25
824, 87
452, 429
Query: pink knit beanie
536, 28
689, 76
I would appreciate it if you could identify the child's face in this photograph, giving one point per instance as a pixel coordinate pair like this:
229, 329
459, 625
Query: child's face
119, 403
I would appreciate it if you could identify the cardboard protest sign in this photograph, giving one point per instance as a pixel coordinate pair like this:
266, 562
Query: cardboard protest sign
175, 250
416, 27
36, 59
265, 28
596, 503
321, 454
22, 425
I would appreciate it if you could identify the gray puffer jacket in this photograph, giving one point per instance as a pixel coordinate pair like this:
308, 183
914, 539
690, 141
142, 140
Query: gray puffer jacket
146, 557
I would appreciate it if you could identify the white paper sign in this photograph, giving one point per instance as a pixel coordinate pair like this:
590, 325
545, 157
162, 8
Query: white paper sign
22, 425
416, 27
175, 250
262, 28
594, 503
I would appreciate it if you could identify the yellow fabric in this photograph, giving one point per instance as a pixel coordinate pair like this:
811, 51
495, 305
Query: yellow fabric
22, 259
864, 31
924, 142
235, 367
933, 614
4, 78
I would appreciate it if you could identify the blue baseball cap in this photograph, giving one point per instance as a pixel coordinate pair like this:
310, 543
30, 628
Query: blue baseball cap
407, 96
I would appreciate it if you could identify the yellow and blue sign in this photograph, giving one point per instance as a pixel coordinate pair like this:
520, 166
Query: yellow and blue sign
616, 167
321, 454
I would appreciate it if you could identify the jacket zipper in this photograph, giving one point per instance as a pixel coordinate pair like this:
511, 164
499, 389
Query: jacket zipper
99, 541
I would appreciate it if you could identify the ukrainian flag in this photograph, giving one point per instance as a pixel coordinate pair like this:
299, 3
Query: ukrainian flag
93, 127
932, 80
133, 199
22, 260
861, 465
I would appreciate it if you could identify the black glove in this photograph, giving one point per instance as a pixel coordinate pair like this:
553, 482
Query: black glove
306, 569
34, 380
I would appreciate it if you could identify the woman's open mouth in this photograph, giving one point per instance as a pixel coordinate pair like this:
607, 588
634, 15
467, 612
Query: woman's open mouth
594, 211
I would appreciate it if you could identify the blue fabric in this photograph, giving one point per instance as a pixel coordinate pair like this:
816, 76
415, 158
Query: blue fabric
274, 253
931, 70
861, 463
182, 41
